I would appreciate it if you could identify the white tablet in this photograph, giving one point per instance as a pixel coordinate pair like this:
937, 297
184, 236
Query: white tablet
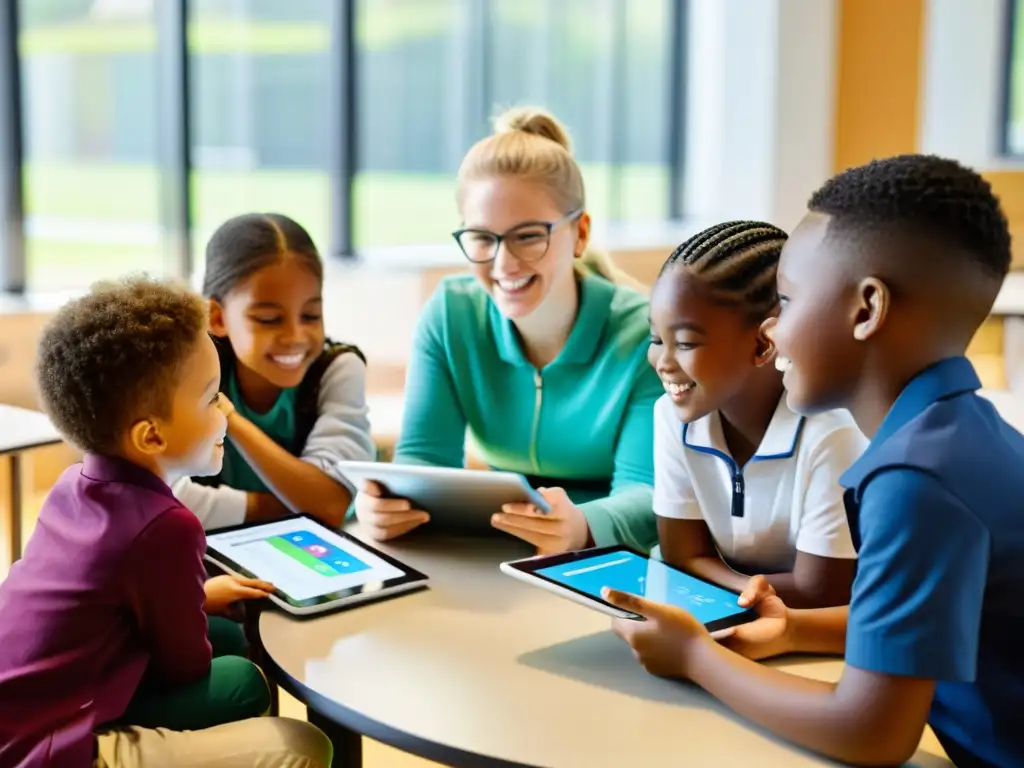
458, 500
580, 577
314, 568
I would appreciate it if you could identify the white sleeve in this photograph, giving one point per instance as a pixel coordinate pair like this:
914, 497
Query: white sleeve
824, 528
342, 430
215, 507
673, 489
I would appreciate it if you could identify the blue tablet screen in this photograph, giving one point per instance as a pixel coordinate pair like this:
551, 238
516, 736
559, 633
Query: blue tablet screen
629, 572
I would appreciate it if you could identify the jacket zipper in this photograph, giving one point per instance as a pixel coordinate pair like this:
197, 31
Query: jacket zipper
538, 383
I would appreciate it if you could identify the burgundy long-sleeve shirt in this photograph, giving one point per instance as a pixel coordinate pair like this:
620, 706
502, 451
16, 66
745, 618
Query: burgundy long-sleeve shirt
110, 585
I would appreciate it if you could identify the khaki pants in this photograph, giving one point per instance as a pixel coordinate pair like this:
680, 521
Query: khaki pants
260, 742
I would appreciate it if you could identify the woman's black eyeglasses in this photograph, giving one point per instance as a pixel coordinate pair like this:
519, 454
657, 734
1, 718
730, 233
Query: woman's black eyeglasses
528, 241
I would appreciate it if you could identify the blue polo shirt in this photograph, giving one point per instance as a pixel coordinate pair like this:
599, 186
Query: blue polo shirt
936, 509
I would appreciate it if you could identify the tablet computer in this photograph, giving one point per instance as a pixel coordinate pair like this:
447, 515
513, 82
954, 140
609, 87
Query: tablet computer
458, 500
314, 568
580, 577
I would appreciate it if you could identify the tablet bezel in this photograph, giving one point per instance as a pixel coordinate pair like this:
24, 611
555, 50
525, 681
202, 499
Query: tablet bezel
461, 513
529, 566
410, 576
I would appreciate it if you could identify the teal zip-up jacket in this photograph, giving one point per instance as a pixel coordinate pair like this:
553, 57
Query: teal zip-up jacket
584, 422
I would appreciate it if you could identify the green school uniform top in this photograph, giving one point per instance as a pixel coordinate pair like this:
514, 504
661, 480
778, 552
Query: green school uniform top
278, 424
584, 422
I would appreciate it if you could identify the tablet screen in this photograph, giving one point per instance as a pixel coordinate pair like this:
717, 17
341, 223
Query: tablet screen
629, 572
303, 559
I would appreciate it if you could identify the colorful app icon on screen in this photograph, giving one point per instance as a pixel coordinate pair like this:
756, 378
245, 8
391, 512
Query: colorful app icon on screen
316, 554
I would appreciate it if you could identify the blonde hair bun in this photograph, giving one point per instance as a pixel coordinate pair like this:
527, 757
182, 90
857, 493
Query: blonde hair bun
533, 120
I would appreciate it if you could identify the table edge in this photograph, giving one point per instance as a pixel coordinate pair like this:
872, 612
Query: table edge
373, 729
30, 446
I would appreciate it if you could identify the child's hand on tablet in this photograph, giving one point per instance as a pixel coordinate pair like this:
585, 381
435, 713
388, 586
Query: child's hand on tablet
563, 529
386, 518
757, 590
662, 643
768, 636
224, 591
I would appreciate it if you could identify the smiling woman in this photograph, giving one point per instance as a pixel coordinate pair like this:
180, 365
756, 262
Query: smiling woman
295, 401
539, 353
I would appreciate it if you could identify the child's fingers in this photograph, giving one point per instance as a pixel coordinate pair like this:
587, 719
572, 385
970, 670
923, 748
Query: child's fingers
757, 589
372, 488
266, 586
250, 593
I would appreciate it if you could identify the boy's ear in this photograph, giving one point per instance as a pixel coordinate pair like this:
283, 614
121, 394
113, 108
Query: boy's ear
145, 437
873, 302
217, 327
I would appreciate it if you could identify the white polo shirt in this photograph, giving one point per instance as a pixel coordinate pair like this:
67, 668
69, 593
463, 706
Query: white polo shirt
787, 498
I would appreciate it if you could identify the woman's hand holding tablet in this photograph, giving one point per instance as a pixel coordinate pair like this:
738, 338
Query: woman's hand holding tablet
562, 528
386, 518
397, 498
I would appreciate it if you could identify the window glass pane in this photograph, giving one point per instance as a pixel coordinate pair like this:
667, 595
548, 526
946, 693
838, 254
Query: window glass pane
432, 72
412, 69
89, 85
259, 81
601, 67
643, 112
557, 54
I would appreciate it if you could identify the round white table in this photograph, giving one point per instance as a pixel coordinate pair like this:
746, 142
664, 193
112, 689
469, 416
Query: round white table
21, 430
482, 670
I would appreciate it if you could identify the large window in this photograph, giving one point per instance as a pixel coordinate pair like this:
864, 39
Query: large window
432, 73
412, 66
259, 138
600, 66
140, 122
89, 106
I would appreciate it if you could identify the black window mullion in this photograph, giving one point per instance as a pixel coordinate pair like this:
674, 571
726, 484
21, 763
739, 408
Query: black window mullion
174, 140
677, 109
12, 202
617, 103
478, 85
342, 142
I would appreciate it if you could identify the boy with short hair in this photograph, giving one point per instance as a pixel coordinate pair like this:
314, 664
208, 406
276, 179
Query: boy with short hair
111, 585
883, 285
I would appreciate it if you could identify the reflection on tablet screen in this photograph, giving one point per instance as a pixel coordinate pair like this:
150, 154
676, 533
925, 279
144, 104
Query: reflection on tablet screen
629, 572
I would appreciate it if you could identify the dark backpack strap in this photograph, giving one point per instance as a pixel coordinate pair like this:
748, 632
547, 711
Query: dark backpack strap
307, 399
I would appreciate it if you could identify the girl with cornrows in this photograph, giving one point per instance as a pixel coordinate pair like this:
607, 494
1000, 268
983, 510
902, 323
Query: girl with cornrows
742, 485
